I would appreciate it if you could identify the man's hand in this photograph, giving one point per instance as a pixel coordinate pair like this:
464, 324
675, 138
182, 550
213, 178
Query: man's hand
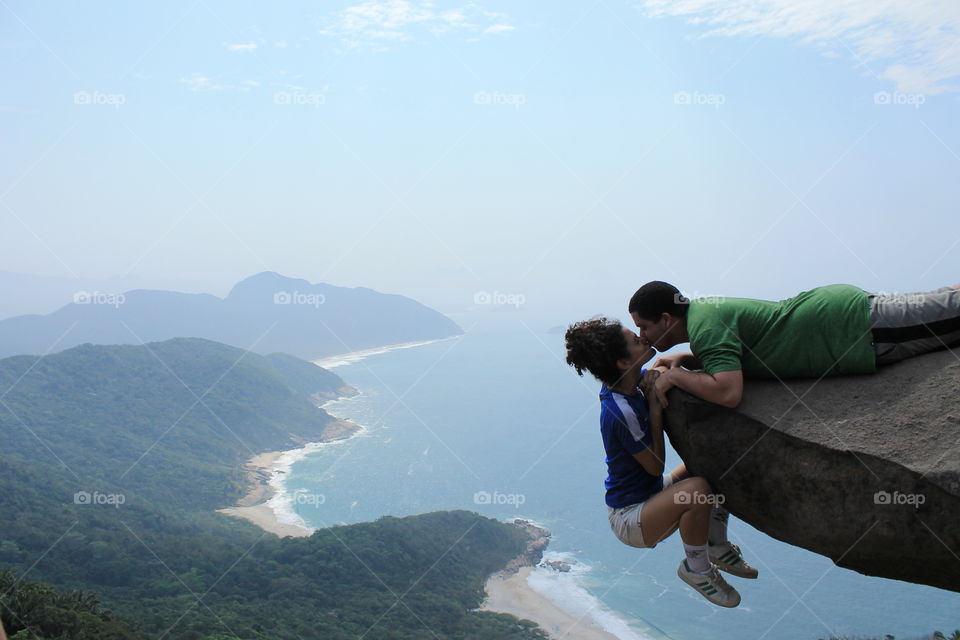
663, 383
671, 361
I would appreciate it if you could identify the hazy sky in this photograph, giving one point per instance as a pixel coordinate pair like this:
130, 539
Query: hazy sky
563, 151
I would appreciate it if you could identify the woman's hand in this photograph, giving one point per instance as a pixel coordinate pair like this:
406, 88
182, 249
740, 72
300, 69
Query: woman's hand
648, 380
663, 383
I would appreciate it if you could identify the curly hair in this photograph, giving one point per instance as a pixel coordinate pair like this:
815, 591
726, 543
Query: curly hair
595, 345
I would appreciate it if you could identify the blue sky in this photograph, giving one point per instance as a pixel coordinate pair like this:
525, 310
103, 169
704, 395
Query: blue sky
567, 152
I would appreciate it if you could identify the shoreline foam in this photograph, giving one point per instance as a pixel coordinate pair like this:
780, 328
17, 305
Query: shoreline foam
511, 591
513, 594
268, 504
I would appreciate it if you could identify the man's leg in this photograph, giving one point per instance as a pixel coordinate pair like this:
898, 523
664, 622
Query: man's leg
909, 324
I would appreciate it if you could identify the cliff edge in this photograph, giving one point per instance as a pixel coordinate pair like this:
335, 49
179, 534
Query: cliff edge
862, 469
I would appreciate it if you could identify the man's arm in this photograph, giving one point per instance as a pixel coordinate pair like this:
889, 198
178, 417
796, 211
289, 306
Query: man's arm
724, 388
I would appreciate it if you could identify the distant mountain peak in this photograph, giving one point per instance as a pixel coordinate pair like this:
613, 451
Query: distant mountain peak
266, 312
267, 281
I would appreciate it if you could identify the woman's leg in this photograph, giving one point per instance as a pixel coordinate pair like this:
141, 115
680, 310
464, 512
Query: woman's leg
685, 504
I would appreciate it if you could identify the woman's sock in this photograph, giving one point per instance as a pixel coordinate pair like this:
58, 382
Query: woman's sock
697, 558
718, 525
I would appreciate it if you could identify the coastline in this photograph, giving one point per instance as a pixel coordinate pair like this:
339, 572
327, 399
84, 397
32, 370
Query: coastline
265, 473
509, 591
342, 359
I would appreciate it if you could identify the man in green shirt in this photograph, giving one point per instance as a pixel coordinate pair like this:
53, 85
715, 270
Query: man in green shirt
834, 330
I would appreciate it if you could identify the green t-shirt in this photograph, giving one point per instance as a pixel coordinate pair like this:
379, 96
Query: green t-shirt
824, 331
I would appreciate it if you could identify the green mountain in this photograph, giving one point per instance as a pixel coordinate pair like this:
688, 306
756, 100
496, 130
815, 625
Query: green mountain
265, 313
114, 458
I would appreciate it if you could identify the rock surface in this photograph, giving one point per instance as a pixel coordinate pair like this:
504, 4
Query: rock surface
539, 538
862, 469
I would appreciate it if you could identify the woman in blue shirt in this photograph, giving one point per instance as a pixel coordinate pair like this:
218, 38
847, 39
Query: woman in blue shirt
644, 506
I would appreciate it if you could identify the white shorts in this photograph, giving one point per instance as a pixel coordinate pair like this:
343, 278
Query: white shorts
625, 523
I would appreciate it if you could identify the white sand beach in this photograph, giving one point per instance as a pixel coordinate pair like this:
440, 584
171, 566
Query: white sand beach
253, 507
265, 518
511, 594
263, 474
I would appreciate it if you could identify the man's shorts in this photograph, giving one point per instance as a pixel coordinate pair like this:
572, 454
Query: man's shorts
908, 324
625, 523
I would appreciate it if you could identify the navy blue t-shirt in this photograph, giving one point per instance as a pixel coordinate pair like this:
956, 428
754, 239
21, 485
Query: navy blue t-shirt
625, 427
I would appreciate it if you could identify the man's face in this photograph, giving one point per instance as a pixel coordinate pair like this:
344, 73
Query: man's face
652, 333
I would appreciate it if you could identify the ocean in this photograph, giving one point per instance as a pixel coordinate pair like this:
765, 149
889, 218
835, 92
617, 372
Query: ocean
495, 422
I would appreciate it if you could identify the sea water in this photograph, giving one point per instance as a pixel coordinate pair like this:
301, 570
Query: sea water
495, 422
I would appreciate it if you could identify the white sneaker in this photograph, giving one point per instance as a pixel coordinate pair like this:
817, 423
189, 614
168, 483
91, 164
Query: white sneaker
728, 558
710, 585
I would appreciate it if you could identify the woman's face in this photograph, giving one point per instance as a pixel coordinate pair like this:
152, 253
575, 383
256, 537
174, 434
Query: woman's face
640, 352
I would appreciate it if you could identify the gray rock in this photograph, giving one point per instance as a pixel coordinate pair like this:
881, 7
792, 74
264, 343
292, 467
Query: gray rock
862, 469
556, 565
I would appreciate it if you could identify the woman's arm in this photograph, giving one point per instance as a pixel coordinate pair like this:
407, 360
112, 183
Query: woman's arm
651, 458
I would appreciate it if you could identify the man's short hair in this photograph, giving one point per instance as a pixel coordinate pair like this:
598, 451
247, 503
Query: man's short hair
655, 298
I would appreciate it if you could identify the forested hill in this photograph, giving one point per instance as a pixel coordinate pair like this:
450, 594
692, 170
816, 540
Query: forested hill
114, 458
265, 313
168, 421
